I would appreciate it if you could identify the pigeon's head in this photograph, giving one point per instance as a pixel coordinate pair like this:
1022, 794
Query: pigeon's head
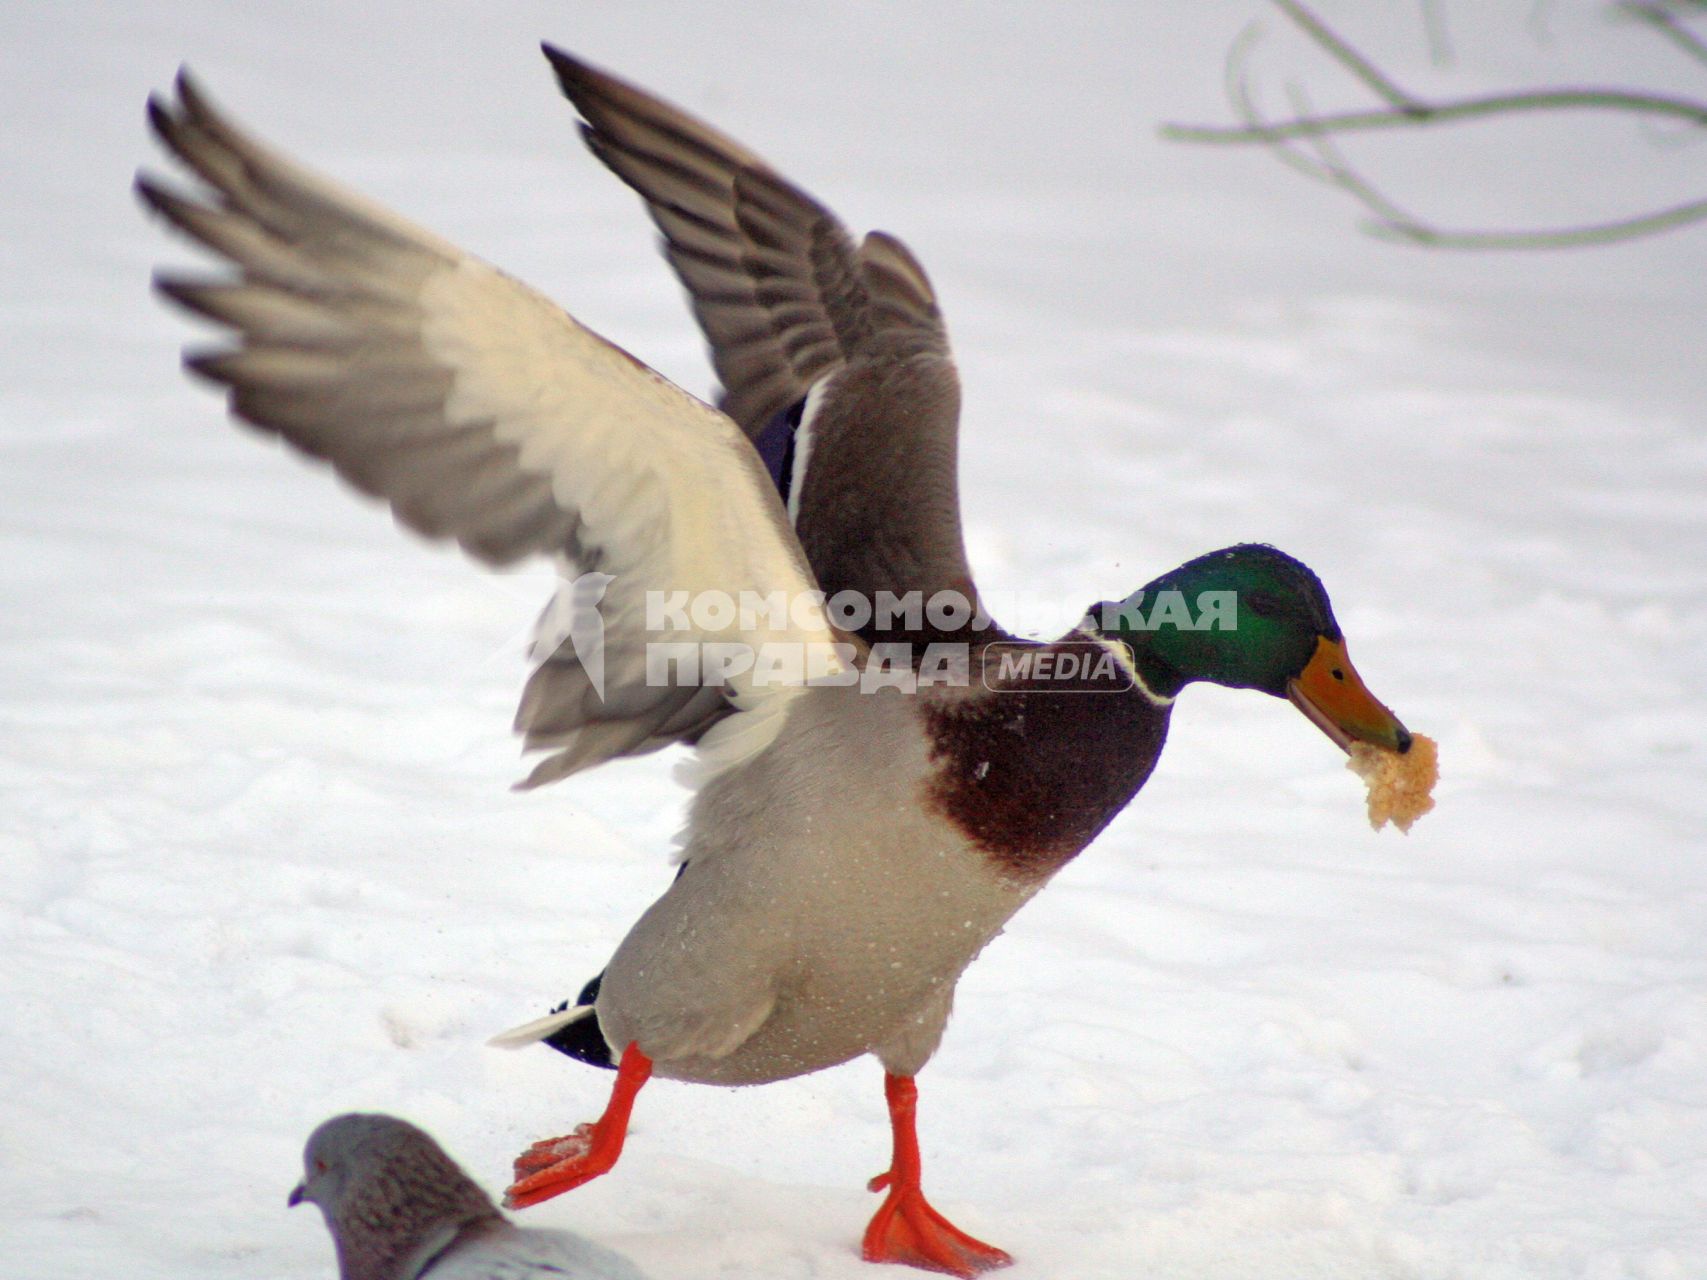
388, 1191
344, 1146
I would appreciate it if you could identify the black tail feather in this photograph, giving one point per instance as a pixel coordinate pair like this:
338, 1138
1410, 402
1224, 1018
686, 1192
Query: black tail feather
583, 1039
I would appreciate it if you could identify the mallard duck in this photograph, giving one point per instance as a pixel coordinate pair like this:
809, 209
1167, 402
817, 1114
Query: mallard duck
882, 786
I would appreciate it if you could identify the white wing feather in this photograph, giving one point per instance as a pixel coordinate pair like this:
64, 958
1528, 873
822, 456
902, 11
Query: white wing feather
482, 412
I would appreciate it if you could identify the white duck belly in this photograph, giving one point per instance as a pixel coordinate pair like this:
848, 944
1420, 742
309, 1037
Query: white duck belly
829, 919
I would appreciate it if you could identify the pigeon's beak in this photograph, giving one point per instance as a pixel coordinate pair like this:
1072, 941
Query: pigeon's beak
298, 1194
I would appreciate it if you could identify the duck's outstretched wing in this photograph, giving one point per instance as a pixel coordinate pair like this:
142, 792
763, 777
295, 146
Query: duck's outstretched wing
481, 412
806, 327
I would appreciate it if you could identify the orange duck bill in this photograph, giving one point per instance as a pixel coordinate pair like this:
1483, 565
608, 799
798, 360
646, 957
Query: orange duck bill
1331, 693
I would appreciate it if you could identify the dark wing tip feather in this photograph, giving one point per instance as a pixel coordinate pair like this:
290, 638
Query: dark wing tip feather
623, 111
198, 295
191, 109
172, 123
569, 68
183, 213
160, 117
190, 93
584, 84
212, 364
197, 111
160, 199
148, 190
185, 292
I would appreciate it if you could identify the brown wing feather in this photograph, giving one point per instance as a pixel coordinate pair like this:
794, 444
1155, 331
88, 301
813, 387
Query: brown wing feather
788, 300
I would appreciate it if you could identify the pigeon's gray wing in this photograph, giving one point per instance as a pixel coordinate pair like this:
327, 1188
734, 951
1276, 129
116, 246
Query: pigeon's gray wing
508, 1252
481, 412
804, 324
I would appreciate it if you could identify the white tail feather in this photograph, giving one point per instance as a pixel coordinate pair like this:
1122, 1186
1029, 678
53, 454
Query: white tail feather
537, 1030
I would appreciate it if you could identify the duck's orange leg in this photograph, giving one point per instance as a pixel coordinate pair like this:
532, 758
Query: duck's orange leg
906, 1229
555, 1165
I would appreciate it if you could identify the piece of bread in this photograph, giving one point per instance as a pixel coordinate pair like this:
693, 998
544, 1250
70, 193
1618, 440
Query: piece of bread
1399, 785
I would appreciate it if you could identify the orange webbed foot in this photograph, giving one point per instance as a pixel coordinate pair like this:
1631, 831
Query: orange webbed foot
554, 1165
549, 1151
907, 1230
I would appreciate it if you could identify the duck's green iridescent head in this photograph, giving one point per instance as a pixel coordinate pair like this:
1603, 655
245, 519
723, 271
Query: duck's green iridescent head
1250, 617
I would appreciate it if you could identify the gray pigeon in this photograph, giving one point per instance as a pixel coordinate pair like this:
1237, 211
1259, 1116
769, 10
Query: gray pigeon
398, 1207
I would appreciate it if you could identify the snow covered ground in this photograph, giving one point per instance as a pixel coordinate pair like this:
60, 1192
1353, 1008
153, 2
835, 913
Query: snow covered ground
259, 859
